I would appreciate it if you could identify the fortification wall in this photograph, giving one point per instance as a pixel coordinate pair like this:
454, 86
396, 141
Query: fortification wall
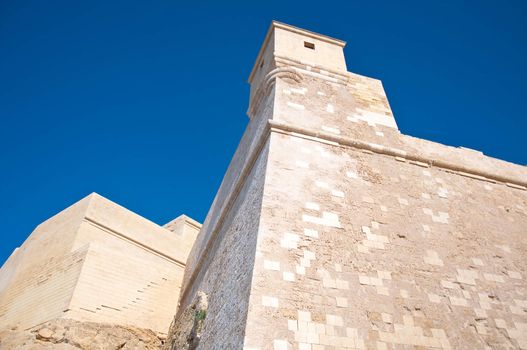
96, 262
367, 238
123, 284
353, 110
225, 274
8, 270
363, 249
43, 244
41, 292
235, 178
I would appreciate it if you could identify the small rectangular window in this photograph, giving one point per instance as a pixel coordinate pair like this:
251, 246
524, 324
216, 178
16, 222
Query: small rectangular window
309, 45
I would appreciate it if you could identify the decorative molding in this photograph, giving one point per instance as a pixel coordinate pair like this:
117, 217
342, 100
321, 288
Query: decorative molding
267, 84
133, 241
333, 75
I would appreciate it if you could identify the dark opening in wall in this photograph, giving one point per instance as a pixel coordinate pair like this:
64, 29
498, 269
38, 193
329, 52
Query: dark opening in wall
309, 45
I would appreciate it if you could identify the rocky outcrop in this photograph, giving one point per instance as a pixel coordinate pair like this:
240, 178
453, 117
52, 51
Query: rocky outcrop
69, 334
186, 328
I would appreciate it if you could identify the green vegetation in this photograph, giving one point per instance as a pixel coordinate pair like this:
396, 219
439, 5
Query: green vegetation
200, 315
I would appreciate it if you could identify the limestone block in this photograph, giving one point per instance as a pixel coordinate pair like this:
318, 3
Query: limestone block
96, 261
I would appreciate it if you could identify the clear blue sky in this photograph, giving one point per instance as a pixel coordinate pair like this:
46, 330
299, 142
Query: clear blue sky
144, 101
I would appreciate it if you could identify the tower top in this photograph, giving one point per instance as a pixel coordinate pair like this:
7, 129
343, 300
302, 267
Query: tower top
286, 41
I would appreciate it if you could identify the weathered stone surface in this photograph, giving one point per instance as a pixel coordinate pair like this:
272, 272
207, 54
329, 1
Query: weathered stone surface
70, 334
45, 334
331, 230
185, 330
97, 261
363, 238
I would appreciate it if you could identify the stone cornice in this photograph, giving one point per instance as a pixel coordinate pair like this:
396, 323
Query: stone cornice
130, 240
287, 67
314, 69
401, 155
267, 84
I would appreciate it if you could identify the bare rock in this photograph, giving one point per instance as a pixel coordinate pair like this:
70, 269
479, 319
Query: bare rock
64, 334
44, 334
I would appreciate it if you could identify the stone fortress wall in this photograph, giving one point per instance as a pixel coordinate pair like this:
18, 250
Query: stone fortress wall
97, 261
330, 230
364, 238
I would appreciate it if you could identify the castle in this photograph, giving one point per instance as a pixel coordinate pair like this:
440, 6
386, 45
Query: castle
330, 230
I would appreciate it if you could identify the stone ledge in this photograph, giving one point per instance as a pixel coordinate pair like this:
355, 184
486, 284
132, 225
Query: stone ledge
421, 160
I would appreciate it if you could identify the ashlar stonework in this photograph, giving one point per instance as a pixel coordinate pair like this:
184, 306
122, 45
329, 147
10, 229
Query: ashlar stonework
331, 230
339, 232
97, 262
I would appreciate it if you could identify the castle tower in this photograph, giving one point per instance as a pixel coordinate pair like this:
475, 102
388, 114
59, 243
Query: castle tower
332, 230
